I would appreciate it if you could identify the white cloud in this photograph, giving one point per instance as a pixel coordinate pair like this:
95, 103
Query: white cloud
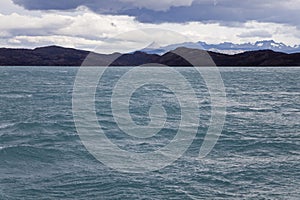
258, 34
91, 25
290, 4
46, 21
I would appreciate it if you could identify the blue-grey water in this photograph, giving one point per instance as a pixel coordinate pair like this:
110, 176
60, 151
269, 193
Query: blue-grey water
256, 157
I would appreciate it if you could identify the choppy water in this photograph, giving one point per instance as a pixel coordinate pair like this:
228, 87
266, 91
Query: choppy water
257, 156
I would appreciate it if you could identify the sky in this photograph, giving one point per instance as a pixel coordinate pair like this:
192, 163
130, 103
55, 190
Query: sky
109, 25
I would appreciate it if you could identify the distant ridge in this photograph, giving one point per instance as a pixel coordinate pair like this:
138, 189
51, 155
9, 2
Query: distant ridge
42, 56
227, 47
60, 56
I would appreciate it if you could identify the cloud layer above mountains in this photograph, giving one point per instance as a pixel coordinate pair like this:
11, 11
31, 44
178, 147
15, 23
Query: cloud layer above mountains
158, 11
89, 23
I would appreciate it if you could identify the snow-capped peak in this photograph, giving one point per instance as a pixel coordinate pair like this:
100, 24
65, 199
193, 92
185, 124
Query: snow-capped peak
153, 45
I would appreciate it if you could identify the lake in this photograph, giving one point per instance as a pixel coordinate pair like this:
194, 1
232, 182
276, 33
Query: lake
256, 157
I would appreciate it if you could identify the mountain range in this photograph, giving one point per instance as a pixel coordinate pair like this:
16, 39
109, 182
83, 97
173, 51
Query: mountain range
225, 48
60, 56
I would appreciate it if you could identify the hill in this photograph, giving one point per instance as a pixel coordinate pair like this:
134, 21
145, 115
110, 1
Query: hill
60, 56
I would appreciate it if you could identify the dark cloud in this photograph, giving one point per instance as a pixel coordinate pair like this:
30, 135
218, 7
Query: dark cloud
223, 11
226, 12
49, 4
101, 6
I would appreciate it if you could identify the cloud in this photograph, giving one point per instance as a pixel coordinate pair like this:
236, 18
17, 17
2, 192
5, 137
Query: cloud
112, 6
87, 24
159, 11
161, 5
85, 29
258, 34
49, 5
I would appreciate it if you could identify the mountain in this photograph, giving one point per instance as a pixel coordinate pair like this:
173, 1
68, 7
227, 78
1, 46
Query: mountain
154, 47
257, 58
227, 47
44, 56
260, 45
60, 56
51, 56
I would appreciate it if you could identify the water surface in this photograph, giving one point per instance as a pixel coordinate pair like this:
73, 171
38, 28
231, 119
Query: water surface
256, 157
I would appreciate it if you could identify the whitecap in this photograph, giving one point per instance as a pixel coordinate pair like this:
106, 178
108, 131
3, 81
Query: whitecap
7, 125
15, 96
263, 109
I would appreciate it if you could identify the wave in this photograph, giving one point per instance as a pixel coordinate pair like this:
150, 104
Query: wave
7, 125
15, 96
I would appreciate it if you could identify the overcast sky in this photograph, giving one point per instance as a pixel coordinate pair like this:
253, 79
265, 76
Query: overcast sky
88, 24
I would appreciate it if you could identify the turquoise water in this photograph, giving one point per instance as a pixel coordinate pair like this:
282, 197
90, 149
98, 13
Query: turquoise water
256, 157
